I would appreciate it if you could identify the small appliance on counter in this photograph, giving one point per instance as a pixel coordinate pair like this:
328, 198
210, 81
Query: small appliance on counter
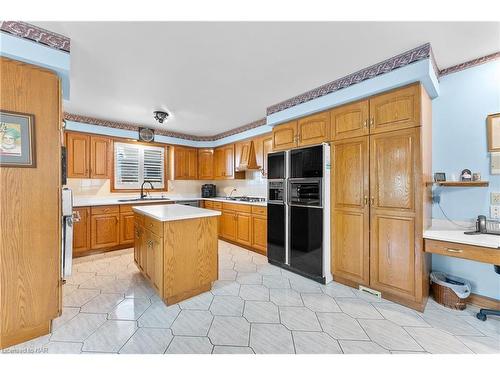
484, 226
208, 191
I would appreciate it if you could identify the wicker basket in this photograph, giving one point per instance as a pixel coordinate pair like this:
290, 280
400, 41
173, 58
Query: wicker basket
447, 297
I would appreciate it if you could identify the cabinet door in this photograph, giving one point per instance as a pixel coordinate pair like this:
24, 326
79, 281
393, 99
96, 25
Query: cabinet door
244, 229
350, 210
392, 254
259, 233
242, 153
285, 136
350, 120
267, 147
105, 231
81, 231
228, 225
396, 109
229, 162
156, 253
192, 164
180, 163
393, 169
205, 164
313, 130
78, 155
219, 164
100, 157
126, 228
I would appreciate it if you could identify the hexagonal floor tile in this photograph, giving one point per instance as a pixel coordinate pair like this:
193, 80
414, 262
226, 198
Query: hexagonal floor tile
148, 341
110, 337
199, 302
227, 305
315, 343
261, 312
341, 326
190, 345
278, 282
286, 297
389, 335
299, 319
358, 308
158, 315
225, 288
232, 350
320, 303
192, 323
249, 278
361, 347
254, 293
271, 339
229, 330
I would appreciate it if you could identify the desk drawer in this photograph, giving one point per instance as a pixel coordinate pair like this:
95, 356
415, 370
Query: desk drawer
458, 250
101, 210
154, 226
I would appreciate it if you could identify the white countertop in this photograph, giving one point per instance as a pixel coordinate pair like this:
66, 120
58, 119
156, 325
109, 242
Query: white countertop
173, 212
458, 236
104, 201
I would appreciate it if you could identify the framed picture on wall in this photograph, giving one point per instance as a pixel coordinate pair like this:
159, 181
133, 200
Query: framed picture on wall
17, 140
493, 123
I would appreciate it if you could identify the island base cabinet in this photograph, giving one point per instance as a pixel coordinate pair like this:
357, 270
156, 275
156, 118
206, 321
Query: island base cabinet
180, 258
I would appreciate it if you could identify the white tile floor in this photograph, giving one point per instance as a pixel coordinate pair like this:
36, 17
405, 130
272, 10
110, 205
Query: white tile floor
253, 308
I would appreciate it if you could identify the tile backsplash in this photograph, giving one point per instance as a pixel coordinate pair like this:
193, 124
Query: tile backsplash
254, 185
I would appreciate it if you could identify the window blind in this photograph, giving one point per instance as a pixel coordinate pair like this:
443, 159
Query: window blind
135, 164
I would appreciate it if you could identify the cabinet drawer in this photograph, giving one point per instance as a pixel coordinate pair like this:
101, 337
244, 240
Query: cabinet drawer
208, 204
101, 210
126, 208
139, 219
217, 205
237, 207
154, 226
259, 210
458, 250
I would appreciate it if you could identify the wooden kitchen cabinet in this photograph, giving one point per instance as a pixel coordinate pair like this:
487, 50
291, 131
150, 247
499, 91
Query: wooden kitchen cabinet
285, 136
350, 120
126, 228
396, 109
81, 231
314, 129
263, 146
242, 155
139, 246
224, 164
350, 210
205, 164
88, 156
244, 228
228, 225
78, 155
185, 163
104, 227
259, 229
154, 269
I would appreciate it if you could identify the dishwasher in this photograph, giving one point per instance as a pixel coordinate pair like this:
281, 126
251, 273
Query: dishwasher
193, 203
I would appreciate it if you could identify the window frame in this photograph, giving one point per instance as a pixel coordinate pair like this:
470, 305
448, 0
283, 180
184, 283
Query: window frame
113, 188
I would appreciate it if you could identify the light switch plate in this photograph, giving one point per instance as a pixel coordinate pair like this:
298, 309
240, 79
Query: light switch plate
495, 212
495, 198
495, 162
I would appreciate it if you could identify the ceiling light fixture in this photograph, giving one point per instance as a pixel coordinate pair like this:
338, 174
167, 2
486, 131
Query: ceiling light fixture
160, 116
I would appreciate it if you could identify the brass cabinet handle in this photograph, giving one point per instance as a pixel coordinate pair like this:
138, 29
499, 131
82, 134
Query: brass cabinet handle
365, 200
372, 201
372, 122
454, 250
365, 123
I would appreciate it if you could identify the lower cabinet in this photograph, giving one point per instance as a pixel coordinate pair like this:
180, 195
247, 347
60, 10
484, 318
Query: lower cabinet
259, 233
81, 231
104, 230
126, 228
244, 229
228, 225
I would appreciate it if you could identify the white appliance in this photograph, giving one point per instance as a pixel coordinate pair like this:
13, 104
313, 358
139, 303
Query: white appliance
67, 231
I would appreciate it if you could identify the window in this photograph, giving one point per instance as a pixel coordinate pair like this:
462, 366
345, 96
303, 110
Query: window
136, 163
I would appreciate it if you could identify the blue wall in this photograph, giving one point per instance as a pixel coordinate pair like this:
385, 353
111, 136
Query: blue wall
459, 141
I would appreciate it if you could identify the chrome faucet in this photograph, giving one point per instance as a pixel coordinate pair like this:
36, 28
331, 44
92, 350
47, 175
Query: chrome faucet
231, 193
142, 188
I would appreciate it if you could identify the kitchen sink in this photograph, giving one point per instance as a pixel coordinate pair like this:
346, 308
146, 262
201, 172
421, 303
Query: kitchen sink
143, 199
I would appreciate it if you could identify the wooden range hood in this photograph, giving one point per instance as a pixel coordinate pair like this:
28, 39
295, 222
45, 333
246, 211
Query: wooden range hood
245, 156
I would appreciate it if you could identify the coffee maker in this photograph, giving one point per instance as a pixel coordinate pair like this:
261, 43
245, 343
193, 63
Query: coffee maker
208, 191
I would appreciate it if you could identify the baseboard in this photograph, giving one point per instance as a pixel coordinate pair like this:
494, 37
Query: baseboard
484, 302
103, 250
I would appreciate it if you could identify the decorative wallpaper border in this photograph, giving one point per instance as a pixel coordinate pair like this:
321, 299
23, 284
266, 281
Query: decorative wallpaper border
164, 132
416, 54
36, 34
469, 64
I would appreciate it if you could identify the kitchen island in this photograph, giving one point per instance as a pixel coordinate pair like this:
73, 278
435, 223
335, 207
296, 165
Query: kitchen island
175, 247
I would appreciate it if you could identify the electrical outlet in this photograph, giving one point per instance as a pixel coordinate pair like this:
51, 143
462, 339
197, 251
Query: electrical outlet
495, 212
495, 198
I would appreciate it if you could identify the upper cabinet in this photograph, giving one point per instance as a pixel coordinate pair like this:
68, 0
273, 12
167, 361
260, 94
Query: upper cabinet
224, 163
184, 163
350, 120
312, 130
306, 131
263, 146
285, 136
396, 109
88, 156
245, 156
205, 164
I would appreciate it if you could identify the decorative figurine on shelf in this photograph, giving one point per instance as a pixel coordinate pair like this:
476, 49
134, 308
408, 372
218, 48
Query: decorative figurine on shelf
466, 175
476, 176
439, 176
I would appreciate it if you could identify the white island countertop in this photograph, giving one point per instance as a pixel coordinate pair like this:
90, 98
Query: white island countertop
173, 212
458, 236
111, 200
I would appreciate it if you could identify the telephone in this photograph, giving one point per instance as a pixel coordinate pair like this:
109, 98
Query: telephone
484, 226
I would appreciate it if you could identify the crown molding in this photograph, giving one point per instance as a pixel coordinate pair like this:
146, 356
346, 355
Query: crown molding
469, 64
36, 34
167, 133
416, 54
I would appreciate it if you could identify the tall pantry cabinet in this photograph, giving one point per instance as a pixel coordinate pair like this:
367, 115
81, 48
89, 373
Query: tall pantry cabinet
380, 199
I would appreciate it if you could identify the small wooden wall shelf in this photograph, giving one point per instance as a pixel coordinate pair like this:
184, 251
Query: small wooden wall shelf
463, 183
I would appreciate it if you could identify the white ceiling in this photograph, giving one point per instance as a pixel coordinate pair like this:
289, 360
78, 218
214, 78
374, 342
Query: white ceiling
215, 76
